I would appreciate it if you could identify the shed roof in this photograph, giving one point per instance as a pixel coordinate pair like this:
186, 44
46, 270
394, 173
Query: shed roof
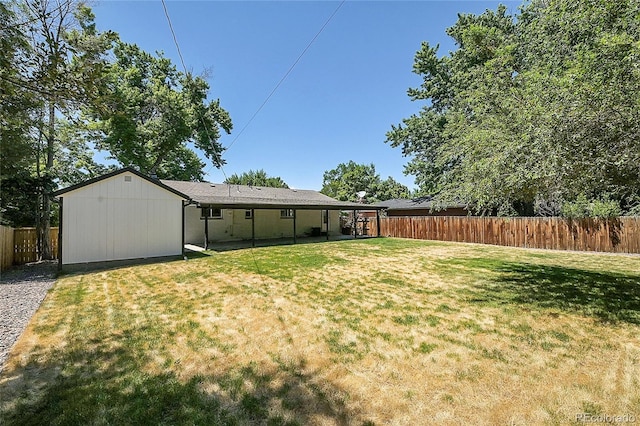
243, 196
116, 173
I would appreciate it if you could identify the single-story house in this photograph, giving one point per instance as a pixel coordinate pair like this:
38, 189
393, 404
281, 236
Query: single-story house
229, 212
420, 207
127, 215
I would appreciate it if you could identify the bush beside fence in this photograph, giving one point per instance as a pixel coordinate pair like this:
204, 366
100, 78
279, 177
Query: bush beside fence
620, 235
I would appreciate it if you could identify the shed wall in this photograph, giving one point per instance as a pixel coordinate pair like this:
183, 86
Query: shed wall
114, 219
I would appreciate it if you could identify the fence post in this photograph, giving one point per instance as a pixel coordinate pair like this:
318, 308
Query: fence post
6, 245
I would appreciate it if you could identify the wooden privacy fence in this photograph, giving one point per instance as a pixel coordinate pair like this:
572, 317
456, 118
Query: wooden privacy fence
620, 235
6, 247
25, 245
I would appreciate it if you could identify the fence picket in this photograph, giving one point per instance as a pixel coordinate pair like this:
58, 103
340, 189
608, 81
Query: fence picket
25, 245
620, 235
6, 247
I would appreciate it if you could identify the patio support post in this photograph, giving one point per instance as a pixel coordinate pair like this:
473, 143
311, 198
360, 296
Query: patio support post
253, 228
294, 226
327, 224
378, 221
355, 225
206, 229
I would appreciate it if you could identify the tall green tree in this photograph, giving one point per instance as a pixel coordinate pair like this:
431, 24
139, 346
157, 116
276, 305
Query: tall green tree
349, 180
389, 189
538, 106
256, 178
75, 161
152, 111
17, 103
60, 67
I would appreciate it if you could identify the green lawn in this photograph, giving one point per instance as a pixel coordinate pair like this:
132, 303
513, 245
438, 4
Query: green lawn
377, 331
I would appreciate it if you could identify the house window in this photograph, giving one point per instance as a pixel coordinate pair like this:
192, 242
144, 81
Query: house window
325, 217
286, 213
248, 214
211, 212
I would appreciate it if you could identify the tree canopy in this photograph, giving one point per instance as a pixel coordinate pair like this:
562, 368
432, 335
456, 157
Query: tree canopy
256, 178
68, 90
18, 103
151, 111
52, 62
534, 109
347, 180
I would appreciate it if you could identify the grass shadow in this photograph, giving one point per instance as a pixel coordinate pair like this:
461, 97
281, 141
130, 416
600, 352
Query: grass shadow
92, 267
247, 244
108, 385
31, 272
608, 296
196, 254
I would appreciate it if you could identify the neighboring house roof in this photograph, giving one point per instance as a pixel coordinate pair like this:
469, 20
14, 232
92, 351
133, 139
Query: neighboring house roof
116, 173
423, 203
242, 196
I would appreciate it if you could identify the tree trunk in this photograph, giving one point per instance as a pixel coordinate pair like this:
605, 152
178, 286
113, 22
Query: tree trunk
38, 211
45, 224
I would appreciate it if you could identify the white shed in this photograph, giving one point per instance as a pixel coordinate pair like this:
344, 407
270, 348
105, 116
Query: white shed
119, 216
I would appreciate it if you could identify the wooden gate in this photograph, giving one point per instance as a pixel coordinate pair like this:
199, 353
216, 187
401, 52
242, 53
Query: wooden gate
25, 242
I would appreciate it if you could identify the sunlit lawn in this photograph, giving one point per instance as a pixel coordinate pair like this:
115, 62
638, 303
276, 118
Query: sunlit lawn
379, 331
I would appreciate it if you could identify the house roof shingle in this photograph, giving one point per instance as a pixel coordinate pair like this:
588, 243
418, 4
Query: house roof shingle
236, 196
243, 196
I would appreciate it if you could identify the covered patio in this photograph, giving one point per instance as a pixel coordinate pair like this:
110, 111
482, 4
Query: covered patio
318, 233
229, 213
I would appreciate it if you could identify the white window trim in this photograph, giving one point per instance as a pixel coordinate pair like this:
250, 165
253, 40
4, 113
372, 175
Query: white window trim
288, 213
210, 215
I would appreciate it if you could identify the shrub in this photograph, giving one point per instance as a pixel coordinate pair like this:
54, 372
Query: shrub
603, 208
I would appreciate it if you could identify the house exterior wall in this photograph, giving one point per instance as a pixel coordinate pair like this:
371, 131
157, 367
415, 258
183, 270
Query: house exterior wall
114, 219
268, 224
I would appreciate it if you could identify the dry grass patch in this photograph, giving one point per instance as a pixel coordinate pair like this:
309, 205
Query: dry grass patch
381, 331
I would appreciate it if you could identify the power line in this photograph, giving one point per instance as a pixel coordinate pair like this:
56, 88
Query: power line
286, 74
273, 91
175, 40
173, 33
184, 67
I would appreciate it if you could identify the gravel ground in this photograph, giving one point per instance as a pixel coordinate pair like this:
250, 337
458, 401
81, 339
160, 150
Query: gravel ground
22, 289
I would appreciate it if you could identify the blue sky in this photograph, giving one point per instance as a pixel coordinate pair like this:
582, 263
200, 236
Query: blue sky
336, 104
